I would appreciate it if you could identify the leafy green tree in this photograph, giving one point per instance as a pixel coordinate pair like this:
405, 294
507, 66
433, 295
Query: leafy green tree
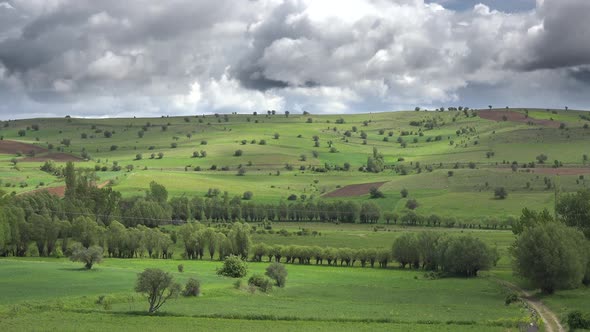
404, 192
240, 238
530, 219
465, 256
157, 192
86, 231
233, 267
157, 286
574, 210
278, 273
500, 193
552, 256
405, 250
88, 256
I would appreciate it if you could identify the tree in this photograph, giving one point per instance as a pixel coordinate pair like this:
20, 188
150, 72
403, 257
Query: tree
86, 231
405, 250
412, 204
465, 256
278, 273
574, 210
233, 267
374, 192
552, 256
247, 195
500, 193
404, 192
238, 153
541, 158
88, 256
157, 286
157, 192
192, 287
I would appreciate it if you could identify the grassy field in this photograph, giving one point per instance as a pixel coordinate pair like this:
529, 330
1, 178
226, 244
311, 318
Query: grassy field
221, 136
318, 296
451, 170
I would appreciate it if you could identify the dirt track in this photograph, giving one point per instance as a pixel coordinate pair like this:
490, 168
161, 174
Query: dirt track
550, 320
354, 190
512, 116
61, 190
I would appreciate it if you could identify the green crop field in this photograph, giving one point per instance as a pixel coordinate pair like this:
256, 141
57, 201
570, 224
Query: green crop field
451, 163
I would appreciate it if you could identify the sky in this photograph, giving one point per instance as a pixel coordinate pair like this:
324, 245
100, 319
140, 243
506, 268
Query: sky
113, 58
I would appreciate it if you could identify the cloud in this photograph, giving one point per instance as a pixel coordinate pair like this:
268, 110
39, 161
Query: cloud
183, 57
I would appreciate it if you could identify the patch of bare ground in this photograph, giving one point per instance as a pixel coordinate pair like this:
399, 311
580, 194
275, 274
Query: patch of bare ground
14, 147
512, 116
354, 189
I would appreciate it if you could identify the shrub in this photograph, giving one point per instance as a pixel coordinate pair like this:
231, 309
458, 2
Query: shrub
247, 195
278, 273
404, 192
500, 193
576, 320
374, 192
180, 268
192, 287
238, 153
262, 283
233, 267
412, 204
511, 298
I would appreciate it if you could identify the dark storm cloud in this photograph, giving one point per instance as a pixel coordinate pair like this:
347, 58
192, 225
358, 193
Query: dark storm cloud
564, 37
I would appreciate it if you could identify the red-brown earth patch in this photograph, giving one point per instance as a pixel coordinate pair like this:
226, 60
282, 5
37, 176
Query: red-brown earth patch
60, 191
13, 147
499, 115
354, 189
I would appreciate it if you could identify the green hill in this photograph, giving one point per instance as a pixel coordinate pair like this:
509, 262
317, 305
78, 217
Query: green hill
447, 160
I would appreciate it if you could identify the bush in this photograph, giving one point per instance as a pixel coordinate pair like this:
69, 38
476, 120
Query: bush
511, 298
376, 193
500, 193
247, 195
278, 273
261, 282
238, 153
233, 267
180, 268
192, 287
576, 320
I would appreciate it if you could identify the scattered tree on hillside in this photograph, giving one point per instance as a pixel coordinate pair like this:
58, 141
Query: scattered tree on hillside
157, 286
500, 193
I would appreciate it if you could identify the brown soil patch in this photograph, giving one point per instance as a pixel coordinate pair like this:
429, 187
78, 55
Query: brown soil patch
354, 190
12, 147
499, 115
55, 156
61, 190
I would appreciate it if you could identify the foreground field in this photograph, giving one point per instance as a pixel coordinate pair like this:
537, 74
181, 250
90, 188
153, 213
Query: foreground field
324, 298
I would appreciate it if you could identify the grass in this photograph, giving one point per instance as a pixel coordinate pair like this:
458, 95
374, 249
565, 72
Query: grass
318, 297
436, 192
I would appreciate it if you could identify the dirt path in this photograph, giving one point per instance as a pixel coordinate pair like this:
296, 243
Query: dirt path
550, 320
